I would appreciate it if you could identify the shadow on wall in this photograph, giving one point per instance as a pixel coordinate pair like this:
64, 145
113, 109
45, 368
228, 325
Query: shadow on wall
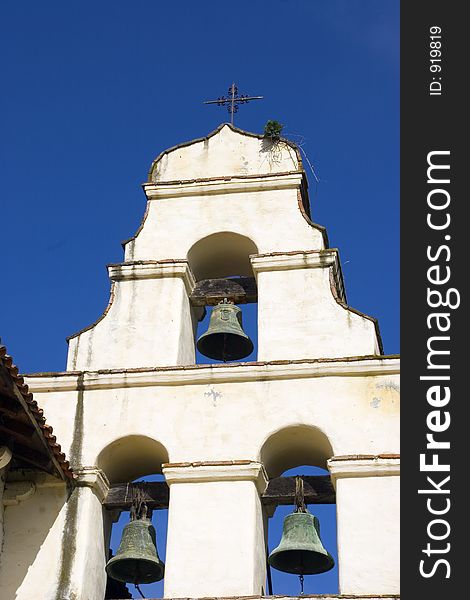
295, 445
222, 254
32, 532
131, 457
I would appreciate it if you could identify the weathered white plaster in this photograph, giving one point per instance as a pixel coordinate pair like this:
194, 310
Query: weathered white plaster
33, 548
5, 458
230, 372
298, 315
215, 518
368, 514
94, 478
225, 413
149, 320
18, 491
133, 400
224, 152
271, 218
361, 467
196, 415
87, 576
49, 538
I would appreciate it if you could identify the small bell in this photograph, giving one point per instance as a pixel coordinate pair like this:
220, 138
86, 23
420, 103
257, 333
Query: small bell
137, 560
301, 551
225, 339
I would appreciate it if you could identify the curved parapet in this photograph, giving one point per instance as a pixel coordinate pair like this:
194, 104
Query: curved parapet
226, 151
230, 180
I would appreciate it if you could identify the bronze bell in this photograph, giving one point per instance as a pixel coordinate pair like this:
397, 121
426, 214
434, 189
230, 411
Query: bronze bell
137, 560
225, 339
301, 551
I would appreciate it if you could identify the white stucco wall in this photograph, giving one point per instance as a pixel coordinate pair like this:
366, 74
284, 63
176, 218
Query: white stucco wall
56, 541
298, 316
226, 151
270, 217
218, 414
222, 523
368, 539
133, 399
149, 322
32, 556
223, 412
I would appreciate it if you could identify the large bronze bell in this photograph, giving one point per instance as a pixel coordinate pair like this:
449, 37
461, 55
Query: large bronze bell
301, 551
225, 339
137, 560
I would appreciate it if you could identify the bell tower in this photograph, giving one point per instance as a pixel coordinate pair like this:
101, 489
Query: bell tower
228, 220
230, 201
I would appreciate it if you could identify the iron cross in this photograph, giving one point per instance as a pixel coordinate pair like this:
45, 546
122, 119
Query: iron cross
233, 100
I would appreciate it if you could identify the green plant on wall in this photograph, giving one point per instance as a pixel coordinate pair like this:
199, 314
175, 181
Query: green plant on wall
273, 129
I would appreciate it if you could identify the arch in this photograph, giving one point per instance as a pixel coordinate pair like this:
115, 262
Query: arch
294, 446
131, 457
222, 254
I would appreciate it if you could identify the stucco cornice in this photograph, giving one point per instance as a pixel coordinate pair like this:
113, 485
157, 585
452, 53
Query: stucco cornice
368, 466
153, 269
204, 472
303, 259
218, 373
94, 478
295, 259
224, 185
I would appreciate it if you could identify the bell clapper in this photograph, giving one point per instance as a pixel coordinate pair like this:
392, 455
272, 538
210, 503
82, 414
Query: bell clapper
136, 585
301, 579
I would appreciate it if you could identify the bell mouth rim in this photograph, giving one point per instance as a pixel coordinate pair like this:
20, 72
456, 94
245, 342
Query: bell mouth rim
201, 346
121, 559
328, 563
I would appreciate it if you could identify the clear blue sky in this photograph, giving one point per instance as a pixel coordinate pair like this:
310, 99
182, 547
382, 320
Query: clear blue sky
94, 91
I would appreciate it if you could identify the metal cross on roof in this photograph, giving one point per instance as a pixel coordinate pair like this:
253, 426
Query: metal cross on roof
233, 100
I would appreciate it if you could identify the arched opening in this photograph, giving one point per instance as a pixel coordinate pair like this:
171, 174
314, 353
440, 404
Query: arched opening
127, 460
222, 254
131, 457
221, 265
293, 446
300, 450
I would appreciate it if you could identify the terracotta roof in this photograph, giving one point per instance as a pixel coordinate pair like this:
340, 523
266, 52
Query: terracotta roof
23, 425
